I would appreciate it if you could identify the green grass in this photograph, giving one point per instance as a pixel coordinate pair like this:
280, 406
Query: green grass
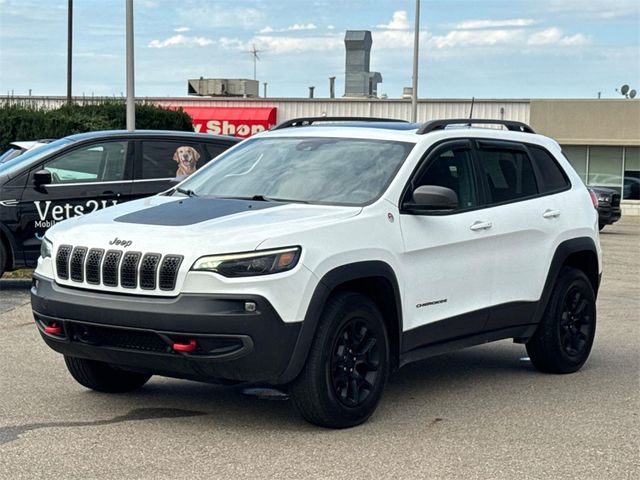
23, 273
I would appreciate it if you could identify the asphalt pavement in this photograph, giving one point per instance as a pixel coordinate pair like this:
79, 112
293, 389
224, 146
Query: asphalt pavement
480, 413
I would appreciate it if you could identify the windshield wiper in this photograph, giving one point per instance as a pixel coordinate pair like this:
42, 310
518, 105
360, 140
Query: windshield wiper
186, 191
264, 198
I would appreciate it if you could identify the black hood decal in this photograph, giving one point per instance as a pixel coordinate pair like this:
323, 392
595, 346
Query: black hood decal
193, 210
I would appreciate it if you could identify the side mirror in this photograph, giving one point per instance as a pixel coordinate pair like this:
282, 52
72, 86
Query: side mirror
432, 198
42, 177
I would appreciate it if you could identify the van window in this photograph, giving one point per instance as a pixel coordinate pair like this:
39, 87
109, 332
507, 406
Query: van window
98, 162
169, 159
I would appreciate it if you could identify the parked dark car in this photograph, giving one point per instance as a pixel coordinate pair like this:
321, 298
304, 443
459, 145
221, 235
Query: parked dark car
86, 172
609, 210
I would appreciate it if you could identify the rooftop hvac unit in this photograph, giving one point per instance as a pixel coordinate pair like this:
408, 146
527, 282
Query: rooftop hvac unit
223, 87
359, 81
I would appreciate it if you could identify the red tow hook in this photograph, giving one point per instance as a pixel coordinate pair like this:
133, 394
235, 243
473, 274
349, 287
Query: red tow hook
53, 329
185, 347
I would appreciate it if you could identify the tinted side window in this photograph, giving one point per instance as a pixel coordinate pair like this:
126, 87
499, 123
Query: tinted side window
214, 150
508, 173
553, 177
162, 159
103, 162
452, 169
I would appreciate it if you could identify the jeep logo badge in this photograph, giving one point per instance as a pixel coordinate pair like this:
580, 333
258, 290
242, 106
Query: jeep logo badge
123, 243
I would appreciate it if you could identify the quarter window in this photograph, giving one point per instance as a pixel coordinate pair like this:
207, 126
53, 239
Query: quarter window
103, 162
508, 173
552, 176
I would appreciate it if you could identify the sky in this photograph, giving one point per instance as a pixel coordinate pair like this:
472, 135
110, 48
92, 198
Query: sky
481, 48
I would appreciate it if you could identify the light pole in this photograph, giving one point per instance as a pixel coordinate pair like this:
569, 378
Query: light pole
69, 47
131, 96
414, 85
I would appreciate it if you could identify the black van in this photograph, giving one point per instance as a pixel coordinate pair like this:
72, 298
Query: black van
86, 172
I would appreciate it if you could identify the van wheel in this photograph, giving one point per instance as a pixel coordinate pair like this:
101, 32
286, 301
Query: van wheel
3, 258
565, 336
102, 377
348, 364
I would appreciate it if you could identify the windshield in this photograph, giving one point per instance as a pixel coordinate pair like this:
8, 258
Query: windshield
11, 166
343, 171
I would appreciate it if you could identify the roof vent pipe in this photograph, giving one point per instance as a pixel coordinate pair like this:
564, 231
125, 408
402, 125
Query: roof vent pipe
311, 89
332, 87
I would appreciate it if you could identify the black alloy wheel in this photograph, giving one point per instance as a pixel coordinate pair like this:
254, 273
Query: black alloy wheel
564, 338
355, 362
575, 322
347, 366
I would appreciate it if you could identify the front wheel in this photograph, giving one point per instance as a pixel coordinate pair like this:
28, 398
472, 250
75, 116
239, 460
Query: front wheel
348, 364
102, 377
565, 335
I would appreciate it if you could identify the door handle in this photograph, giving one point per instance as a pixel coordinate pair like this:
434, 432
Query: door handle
551, 213
110, 193
481, 226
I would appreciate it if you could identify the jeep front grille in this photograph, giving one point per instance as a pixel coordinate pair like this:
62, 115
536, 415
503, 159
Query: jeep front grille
115, 268
62, 261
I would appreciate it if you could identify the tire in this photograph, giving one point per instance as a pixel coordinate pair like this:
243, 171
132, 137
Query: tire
102, 377
348, 364
3, 258
565, 336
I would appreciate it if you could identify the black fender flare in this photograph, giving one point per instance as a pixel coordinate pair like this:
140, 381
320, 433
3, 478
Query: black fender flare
562, 253
331, 280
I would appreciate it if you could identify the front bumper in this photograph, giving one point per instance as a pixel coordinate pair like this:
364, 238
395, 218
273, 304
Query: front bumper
155, 334
608, 214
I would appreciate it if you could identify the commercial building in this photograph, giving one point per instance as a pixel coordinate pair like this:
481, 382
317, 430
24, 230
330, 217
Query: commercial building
601, 138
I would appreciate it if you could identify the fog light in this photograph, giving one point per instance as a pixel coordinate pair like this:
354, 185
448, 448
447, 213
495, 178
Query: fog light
249, 306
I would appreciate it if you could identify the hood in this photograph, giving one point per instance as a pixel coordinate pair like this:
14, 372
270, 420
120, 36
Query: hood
193, 226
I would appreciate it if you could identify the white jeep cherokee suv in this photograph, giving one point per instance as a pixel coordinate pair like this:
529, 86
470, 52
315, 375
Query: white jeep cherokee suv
326, 253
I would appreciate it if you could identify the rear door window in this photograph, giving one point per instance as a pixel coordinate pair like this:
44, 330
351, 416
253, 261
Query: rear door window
508, 173
169, 159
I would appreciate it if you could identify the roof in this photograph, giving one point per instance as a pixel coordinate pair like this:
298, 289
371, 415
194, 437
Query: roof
140, 133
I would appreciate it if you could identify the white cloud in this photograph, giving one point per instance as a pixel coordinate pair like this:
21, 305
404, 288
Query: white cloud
181, 29
463, 38
555, 36
181, 40
398, 22
330, 27
286, 44
291, 28
512, 22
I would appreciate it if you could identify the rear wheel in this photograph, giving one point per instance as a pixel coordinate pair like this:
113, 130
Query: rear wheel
348, 364
102, 377
565, 336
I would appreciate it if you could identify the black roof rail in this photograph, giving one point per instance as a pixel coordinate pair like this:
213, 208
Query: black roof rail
434, 125
306, 121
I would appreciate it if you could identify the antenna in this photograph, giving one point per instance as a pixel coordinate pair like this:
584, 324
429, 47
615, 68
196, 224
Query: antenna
254, 52
473, 99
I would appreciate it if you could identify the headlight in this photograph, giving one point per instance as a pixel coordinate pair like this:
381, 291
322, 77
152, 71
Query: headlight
250, 264
603, 197
45, 248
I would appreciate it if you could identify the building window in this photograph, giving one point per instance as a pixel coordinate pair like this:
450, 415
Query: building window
631, 186
605, 167
577, 156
